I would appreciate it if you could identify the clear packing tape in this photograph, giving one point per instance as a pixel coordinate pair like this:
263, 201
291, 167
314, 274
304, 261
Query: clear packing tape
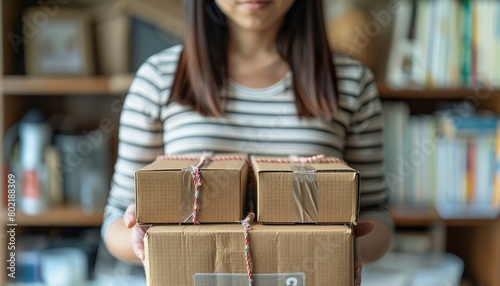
305, 194
187, 195
232, 279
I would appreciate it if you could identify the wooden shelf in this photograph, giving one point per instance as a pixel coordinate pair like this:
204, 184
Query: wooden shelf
414, 217
426, 217
61, 216
119, 84
387, 92
101, 85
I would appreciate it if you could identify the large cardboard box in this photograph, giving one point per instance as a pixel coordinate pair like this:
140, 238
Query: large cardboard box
165, 191
176, 254
322, 193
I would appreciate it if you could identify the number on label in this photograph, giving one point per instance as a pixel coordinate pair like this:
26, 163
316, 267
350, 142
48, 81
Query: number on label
292, 282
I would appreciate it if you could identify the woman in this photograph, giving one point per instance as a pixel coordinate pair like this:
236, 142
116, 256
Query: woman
253, 76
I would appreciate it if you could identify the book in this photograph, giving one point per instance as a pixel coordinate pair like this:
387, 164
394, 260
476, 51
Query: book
466, 28
484, 42
432, 53
455, 46
422, 22
485, 170
416, 158
496, 180
401, 60
466, 167
443, 34
396, 117
496, 46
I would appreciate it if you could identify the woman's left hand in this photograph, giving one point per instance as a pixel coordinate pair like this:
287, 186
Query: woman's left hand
361, 229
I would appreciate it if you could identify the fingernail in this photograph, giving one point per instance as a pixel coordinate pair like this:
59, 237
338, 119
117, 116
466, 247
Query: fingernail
141, 256
129, 220
359, 269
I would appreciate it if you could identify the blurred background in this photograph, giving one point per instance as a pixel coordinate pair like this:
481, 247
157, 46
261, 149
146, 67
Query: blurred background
66, 66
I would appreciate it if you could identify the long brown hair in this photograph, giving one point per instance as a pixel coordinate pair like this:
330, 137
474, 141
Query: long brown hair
301, 42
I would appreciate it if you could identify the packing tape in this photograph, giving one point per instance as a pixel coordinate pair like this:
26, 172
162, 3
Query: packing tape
305, 194
187, 195
231, 279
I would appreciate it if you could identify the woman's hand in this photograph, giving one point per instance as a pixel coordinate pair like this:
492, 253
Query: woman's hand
361, 229
138, 231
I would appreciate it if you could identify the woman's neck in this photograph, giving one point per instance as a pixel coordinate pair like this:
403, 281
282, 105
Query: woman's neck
252, 44
253, 59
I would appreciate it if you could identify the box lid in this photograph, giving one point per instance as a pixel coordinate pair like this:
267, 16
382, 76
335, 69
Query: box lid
286, 167
177, 165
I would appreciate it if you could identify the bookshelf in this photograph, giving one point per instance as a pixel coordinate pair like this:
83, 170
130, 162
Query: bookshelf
416, 64
86, 99
476, 241
59, 96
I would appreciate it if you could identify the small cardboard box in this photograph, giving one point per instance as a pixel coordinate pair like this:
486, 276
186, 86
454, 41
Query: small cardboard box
322, 193
165, 191
190, 254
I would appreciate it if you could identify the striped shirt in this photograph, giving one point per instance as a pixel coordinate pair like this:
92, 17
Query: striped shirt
257, 121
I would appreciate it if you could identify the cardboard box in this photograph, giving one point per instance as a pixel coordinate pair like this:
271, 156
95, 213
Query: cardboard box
322, 193
165, 192
175, 254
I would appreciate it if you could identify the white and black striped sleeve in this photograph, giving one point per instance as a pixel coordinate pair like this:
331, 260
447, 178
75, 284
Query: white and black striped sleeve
364, 149
140, 138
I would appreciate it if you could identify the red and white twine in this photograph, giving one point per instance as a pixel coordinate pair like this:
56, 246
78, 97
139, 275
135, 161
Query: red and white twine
302, 160
246, 225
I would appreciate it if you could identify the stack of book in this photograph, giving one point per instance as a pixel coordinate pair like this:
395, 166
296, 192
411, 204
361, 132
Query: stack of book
447, 160
449, 43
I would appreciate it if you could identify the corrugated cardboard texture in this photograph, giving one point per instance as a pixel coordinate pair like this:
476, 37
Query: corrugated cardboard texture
175, 253
338, 193
159, 190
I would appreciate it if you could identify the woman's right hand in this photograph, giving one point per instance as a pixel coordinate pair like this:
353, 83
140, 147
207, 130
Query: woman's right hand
138, 231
